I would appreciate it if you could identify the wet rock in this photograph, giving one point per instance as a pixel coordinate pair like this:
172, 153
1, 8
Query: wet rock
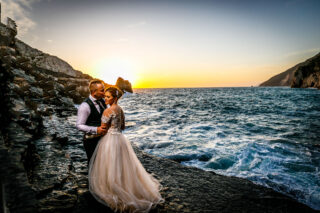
36, 92
19, 106
45, 109
21, 83
20, 73
60, 88
68, 102
9, 59
14, 184
47, 85
61, 139
6, 50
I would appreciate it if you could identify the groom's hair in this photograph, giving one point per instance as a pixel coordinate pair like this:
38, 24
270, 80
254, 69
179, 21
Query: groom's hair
93, 84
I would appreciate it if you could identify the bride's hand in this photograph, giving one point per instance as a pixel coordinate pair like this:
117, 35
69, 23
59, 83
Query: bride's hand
101, 130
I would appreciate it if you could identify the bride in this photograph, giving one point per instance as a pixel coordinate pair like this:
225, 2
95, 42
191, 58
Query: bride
116, 176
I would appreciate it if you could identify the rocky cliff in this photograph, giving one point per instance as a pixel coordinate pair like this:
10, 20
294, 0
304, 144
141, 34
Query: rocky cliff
282, 79
43, 163
307, 74
45, 61
32, 91
302, 75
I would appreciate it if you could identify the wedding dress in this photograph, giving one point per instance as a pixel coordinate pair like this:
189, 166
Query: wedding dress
116, 176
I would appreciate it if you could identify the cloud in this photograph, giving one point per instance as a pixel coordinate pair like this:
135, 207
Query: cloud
141, 23
19, 11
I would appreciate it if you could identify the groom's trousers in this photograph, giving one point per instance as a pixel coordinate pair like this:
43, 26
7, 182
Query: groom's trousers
90, 145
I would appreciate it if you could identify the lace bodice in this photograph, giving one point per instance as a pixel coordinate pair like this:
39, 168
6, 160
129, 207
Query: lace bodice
114, 118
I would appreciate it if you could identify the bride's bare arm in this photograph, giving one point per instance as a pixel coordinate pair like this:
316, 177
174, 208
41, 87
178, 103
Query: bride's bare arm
105, 120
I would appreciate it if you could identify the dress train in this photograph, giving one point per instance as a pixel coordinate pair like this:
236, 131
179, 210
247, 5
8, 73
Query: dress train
118, 179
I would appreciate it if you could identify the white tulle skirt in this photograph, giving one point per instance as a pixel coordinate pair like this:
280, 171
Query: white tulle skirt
118, 179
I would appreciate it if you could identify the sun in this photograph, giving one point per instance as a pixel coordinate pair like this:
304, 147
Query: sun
110, 69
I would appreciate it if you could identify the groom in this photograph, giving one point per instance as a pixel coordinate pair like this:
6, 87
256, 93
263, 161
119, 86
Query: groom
89, 117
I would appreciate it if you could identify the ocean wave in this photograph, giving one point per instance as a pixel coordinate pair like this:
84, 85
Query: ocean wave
267, 135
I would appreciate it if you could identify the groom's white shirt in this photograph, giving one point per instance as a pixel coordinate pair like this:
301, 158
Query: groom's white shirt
83, 114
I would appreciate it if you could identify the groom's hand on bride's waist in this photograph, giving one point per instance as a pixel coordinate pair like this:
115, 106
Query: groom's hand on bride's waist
101, 130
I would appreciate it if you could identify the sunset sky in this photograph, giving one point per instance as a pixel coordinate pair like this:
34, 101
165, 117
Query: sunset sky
172, 43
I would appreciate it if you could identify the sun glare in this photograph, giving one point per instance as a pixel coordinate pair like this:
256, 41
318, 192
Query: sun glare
110, 69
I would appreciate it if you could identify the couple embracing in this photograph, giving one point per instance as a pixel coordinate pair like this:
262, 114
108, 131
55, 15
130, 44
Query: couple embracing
116, 176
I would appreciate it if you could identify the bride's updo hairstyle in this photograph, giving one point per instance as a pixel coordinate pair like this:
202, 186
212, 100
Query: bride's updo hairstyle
115, 91
119, 89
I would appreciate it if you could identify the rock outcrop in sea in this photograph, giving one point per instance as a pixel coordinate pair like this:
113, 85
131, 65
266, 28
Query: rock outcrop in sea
43, 163
302, 75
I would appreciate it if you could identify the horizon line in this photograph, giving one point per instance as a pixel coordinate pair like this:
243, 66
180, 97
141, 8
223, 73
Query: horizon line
201, 87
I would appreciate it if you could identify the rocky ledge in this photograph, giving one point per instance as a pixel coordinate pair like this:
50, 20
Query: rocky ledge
44, 166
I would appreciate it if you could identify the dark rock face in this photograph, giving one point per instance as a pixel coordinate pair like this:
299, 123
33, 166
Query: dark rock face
44, 166
35, 172
302, 75
308, 74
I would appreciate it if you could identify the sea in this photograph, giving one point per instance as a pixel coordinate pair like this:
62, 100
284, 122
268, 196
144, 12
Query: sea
268, 135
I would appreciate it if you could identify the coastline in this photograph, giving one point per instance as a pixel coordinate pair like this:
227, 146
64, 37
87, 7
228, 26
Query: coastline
189, 189
56, 181
44, 166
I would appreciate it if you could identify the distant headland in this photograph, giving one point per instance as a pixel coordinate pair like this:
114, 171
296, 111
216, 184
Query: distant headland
302, 75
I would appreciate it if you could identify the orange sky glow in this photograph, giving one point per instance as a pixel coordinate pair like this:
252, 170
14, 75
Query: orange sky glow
158, 44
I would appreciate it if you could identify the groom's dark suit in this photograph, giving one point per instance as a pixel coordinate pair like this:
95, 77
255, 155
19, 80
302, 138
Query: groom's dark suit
94, 119
90, 139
